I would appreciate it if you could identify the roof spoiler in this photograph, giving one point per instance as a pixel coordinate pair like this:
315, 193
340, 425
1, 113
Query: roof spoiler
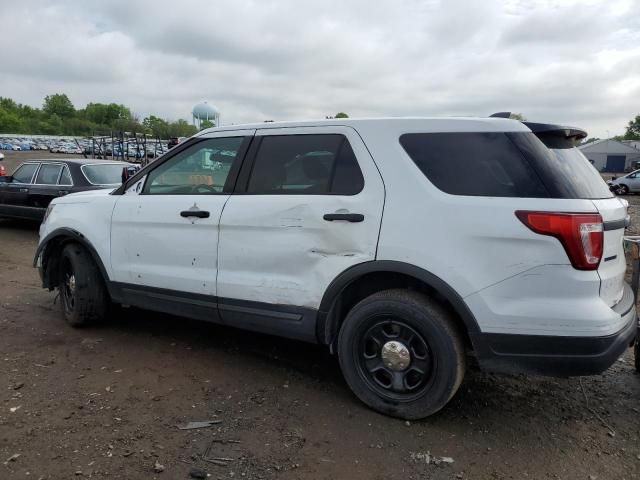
500, 115
569, 133
548, 129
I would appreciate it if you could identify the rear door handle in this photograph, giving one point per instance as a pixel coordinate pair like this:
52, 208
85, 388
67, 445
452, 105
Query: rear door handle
24, 190
63, 192
194, 213
349, 217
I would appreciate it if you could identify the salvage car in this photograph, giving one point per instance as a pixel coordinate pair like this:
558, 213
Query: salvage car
629, 183
410, 247
26, 193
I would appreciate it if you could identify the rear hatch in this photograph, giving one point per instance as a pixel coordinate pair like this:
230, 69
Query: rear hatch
575, 177
613, 265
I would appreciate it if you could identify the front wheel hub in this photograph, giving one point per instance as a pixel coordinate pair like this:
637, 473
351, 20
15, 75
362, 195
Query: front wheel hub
395, 355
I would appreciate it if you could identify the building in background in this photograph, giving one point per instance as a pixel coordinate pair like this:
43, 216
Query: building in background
611, 156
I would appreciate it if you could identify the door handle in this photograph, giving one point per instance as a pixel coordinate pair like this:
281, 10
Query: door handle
63, 192
24, 190
194, 213
349, 217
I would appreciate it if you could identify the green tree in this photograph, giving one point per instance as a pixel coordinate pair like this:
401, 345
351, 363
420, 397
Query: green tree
182, 128
633, 129
10, 122
59, 117
206, 124
517, 116
341, 115
156, 126
58, 104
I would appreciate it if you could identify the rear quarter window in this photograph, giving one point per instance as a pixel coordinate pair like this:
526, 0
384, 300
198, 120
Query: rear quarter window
476, 164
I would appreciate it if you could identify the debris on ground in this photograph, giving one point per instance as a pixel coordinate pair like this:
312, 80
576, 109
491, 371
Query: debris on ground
427, 458
197, 473
158, 467
194, 425
12, 458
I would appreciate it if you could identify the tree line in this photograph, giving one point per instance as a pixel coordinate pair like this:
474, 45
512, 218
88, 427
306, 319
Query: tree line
58, 116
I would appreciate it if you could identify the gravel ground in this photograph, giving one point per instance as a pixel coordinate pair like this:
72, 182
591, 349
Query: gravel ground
105, 402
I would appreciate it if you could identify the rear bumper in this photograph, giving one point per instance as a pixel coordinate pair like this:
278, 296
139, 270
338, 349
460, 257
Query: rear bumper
561, 356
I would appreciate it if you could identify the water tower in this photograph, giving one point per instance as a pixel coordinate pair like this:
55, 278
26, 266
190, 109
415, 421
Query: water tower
204, 111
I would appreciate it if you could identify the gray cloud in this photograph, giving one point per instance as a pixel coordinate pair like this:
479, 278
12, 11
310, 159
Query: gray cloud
566, 61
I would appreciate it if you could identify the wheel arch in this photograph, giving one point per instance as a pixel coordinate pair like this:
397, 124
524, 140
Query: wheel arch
50, 249
364, 279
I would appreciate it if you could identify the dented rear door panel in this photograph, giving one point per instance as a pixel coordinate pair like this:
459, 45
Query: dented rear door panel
278, 249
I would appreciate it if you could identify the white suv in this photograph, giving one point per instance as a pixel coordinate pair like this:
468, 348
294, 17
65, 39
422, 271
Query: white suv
409, 246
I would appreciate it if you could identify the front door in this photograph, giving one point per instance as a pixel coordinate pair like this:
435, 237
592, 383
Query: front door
308, 206
164, 229
15, 195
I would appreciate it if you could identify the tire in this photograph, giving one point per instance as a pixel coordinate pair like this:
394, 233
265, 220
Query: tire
624, 190
382, 377
83, 296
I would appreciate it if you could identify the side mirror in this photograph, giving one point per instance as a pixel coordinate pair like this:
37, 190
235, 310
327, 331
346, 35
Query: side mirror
6, 179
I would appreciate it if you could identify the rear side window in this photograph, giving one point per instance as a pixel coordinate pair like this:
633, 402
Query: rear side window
476, 164
48, 174
305, 164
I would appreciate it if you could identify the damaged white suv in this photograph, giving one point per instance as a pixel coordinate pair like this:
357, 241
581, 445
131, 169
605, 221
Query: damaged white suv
409, 246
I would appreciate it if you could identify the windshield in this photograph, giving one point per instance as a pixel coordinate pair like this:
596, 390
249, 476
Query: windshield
103, 174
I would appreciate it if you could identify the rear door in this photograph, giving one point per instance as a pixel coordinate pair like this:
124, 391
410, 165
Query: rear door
308, 206
613, 265
582, 180
45, 186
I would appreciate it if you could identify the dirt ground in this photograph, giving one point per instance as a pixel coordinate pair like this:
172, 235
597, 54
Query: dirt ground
105, 402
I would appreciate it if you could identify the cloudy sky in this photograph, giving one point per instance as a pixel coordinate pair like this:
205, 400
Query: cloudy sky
575, 62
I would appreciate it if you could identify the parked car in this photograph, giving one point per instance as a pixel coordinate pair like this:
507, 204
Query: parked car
3, 170
629, 183
408, 246
34, 184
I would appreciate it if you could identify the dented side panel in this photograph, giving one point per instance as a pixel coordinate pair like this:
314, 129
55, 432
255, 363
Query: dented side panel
278, 248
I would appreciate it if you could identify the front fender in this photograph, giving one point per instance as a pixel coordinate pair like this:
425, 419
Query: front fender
49, 249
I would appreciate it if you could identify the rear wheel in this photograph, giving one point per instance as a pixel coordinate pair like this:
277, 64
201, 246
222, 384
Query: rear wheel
83, 296
401, 354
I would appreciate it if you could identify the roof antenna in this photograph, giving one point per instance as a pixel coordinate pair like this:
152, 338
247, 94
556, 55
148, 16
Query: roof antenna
501, 115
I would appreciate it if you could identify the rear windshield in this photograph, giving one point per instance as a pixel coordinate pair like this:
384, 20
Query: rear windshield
105, 174
496, 164
565, 170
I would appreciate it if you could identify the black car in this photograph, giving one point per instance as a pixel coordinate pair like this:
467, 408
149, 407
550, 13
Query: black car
27, 193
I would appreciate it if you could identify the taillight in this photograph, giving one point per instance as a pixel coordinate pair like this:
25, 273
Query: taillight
581, 234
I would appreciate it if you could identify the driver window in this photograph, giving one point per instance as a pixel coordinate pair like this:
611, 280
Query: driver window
200, 169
